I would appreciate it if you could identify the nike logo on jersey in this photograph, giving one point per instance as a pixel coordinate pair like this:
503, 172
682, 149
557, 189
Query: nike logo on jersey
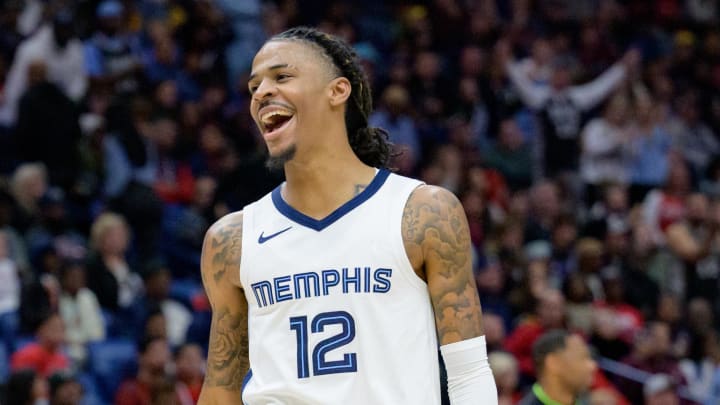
262, 239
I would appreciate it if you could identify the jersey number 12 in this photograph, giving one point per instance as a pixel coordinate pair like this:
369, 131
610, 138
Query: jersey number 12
348, 364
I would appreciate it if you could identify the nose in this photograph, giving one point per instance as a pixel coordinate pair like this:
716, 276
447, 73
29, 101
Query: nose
265, 89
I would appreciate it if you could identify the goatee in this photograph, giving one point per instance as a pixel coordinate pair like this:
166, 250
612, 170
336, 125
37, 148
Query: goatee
277, 163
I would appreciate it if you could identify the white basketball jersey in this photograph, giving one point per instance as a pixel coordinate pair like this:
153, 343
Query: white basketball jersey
336, 313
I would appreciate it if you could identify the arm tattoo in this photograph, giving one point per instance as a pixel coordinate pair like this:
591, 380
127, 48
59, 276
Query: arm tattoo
228, 351
436, 224
229, 240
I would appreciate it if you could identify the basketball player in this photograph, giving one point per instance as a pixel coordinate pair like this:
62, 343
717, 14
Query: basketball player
338, 286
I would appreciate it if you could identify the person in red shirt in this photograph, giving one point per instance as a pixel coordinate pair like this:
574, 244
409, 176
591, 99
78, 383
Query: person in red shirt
189, 362
152, 381
44, 356
550, 314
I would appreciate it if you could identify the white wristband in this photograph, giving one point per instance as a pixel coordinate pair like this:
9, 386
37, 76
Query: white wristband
470, 380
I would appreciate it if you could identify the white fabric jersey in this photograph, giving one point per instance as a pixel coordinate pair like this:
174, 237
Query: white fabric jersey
336, 313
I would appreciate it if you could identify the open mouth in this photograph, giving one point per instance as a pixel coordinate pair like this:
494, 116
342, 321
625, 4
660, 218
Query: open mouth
274, 120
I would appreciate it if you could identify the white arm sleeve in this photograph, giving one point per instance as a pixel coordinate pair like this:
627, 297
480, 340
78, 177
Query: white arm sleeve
470, 380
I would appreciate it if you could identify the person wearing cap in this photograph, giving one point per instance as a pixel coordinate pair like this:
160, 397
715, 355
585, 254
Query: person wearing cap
660, 389
565, 369
111, 55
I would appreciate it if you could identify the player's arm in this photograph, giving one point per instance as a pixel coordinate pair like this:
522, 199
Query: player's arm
227, 361
436, 232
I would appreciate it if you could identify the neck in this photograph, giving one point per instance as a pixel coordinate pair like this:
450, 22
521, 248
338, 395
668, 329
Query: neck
557, 392
318, 185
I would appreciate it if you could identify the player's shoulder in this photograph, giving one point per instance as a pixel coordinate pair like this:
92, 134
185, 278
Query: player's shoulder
233, 220
222, 247
433, 197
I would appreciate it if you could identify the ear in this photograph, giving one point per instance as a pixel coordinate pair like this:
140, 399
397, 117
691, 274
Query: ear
552, 362
339, 90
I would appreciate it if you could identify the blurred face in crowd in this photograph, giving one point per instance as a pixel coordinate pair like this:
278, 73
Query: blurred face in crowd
542, 51
564, 236
573, 366
157, 285
510, 135
116, 240
616, 198
395, 98
700, 315
164, 133
51, 333
68, 393
551, 309
678, 178
189, 363
427, 65
471, 61
545, 200
561, 78
204, 192
73, 279
697, 206
156, 357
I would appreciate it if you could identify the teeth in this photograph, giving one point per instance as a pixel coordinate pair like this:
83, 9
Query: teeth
267, 117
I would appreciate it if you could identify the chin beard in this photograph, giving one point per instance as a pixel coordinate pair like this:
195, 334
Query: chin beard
276, 163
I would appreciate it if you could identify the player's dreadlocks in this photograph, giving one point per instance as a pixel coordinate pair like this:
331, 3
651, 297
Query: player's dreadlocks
370, 144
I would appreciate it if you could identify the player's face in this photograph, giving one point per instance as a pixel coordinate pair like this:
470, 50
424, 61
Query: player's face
288, 85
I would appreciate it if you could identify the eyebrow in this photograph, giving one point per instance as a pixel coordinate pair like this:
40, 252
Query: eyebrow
273, 67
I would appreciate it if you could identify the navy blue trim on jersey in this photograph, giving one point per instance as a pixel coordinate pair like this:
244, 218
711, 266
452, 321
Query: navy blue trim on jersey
320, 224
245, 382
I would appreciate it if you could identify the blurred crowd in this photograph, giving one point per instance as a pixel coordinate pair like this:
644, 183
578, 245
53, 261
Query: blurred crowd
582, 136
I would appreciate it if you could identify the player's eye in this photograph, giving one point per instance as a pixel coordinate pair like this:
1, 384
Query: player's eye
282, 76
252, 89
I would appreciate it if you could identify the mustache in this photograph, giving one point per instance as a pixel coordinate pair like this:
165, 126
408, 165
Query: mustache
266, 103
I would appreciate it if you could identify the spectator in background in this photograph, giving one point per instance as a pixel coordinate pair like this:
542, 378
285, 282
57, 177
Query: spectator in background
52, 140
54, 44
506, 374
65, 390
664, 206
9, 290
392, 115
550, 314
189, 364
28, 184
184, 229
649, 146
110, 276
80, 311
511, 156
132, 166
564, 367
651, 353
26, 387
111, 54
692, 137
694, 240
151, 378
544, 208
698, 368
603, 148
44, 356
157, 280
561, 105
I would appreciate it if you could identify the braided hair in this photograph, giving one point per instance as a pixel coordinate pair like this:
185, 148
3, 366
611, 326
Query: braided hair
371, 145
